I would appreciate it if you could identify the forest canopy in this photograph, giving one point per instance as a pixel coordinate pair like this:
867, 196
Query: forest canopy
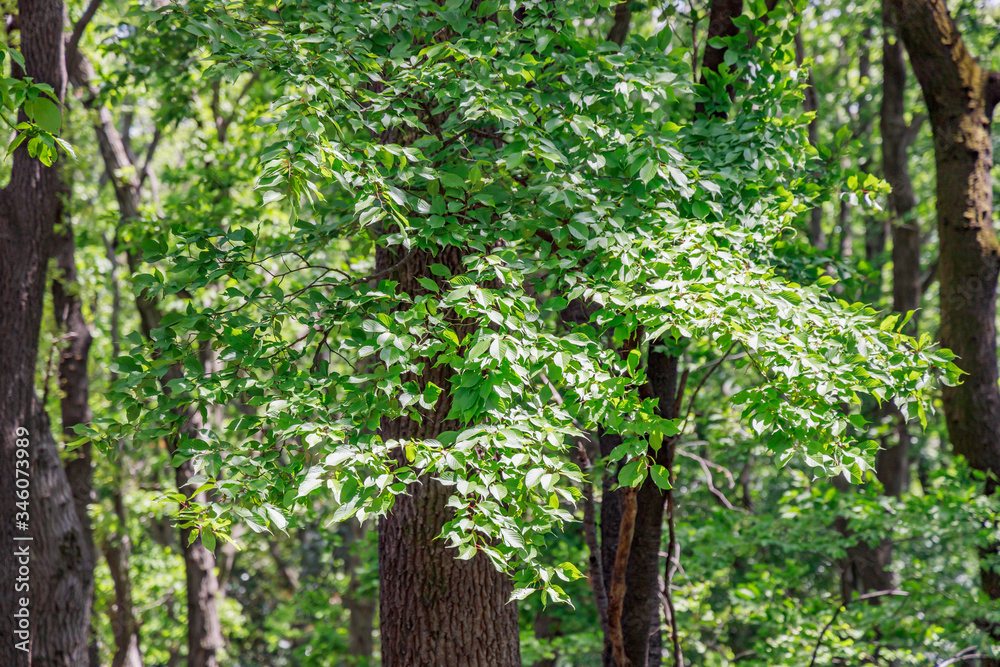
500, 333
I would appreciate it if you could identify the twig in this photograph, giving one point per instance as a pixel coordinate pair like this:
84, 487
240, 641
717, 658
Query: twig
711, 484
704, 379
389, 270
712, 464
833, 619
618, 587
962, 656
150, 149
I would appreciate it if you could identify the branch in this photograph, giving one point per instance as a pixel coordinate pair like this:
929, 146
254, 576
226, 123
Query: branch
222, 124
150, 149
963, 655
618, 587
73, 44
694, 394
383, 272
833, 619
710, 482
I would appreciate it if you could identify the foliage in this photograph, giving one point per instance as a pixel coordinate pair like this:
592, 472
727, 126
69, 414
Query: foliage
514, 171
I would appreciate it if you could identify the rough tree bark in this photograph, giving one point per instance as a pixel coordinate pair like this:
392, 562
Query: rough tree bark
436, 610
960, 99
61, 576
359, 602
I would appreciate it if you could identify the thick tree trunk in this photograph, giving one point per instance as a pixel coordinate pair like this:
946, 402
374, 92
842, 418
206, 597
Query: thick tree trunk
61, 574
436, 611
960, 99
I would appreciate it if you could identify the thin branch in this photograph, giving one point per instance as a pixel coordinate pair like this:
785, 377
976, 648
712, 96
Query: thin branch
704, 379
389, 270
73, 44
962, 656
150, 149
711, 483
222, 124
833, 619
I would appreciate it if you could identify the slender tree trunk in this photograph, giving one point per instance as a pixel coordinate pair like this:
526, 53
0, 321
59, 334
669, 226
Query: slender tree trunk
124, 625
640, 617
55, 552
869, 564
436, 610
361, 605
811, 103
204, 628
203, 625
74, 386
960, 99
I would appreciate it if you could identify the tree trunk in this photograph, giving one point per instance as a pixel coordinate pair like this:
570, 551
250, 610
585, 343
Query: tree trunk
960, 99
123, 622
204, 627
436, 611
54, 546
868, 568
360, 604
74, 388
640, 619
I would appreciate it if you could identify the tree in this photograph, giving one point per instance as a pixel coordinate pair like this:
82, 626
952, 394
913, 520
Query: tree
960, 99
441, 184
31, 206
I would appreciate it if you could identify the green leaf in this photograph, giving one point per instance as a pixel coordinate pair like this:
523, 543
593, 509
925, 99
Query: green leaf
656, 440
632, 473
634, 357
45, 113
661, 477
648, 171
